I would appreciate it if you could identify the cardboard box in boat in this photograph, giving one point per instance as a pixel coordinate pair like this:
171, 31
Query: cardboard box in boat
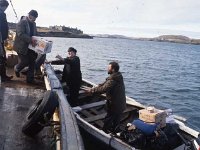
154, 116
43, 45
12, 58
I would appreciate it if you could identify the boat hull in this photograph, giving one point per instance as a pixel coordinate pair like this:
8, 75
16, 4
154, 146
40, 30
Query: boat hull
91, 125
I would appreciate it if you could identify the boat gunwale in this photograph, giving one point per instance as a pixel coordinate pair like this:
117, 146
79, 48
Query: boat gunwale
70, 135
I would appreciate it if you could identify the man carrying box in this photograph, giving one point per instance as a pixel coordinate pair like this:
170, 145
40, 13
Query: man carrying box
26, 28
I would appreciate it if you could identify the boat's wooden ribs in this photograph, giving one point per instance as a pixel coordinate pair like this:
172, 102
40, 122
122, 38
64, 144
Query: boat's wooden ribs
130, 108
91, 105
95, 118
101, 116
89, 115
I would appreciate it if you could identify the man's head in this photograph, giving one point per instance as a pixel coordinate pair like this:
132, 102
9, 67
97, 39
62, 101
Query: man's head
113, 67
3, 4
72, 52
32, 15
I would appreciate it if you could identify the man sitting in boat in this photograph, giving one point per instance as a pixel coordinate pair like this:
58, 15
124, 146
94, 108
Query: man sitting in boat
71, 74
115, 94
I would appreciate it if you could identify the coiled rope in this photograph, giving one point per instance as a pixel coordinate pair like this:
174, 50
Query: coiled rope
14, 10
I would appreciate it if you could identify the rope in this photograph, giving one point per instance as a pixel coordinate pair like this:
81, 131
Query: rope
14, 10
110, 140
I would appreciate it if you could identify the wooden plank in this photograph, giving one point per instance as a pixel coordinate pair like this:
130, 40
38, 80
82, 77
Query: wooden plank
94, 118
87, 106
130, 108
100, 122
101, 116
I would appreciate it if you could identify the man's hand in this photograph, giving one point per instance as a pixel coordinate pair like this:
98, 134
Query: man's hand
59, 57
33, 42
88, 91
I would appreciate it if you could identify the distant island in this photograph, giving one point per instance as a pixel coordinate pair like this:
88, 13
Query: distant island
162, 38
57, 31
68, 32
174, 39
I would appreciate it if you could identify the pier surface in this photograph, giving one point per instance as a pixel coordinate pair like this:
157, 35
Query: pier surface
16, 98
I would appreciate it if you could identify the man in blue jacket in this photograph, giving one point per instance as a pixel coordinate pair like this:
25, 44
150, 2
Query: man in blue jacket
3, 36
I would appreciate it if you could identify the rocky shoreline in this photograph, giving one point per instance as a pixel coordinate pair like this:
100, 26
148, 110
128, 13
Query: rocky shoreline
63, 34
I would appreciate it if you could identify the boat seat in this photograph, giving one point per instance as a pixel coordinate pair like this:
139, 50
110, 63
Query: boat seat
87, 106
130, 108
87, 113
94, 118
101, 116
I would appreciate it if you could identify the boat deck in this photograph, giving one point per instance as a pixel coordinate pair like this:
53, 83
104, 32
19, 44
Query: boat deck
16, 97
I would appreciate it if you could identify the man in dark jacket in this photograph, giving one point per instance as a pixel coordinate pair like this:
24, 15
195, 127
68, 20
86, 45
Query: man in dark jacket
115, 94
71, 74
3, 36
26, 28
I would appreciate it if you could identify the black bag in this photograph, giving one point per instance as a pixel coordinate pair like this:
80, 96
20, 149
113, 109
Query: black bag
134, 137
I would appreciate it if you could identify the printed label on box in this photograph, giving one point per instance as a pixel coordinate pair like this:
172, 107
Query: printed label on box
43, 45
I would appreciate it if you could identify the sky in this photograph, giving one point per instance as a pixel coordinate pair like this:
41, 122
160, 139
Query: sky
133, 18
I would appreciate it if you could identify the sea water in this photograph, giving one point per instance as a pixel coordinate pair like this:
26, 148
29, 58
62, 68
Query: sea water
155, 73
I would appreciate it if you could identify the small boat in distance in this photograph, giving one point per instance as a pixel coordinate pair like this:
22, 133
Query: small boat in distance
90, 113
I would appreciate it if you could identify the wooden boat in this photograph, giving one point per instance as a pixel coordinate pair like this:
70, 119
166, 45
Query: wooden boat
21, 103
90, 115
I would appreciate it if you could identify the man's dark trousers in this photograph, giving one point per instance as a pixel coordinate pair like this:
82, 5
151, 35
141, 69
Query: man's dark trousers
27, 60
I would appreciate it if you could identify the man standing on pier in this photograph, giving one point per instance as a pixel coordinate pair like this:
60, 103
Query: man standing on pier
26, 28
115, 94
3, 36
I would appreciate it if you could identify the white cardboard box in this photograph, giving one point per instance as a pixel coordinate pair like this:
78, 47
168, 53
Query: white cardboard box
43, 45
